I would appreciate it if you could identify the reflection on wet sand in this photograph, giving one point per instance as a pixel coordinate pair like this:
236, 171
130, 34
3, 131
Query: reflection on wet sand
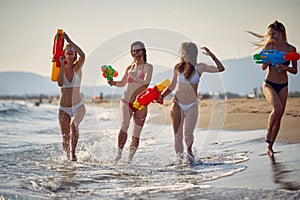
282, 176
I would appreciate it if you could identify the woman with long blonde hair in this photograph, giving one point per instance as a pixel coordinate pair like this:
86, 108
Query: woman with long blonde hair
275, 86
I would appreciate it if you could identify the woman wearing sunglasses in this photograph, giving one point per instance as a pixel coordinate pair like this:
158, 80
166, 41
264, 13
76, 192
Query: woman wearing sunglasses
137, 77
71, 108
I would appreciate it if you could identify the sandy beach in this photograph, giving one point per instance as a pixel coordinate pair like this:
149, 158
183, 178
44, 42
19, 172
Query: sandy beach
233, 114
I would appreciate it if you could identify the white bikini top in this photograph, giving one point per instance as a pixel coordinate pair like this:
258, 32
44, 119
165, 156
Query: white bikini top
194, 80
74, 83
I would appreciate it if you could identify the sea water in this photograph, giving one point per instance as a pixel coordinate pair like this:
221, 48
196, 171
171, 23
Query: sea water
33, 166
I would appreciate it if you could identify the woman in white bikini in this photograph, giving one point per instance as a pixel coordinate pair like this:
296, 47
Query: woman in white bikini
138, 76
275, 86
184, 110
71, 108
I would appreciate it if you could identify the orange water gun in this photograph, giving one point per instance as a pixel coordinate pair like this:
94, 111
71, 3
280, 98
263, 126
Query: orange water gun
150, 95
57, 52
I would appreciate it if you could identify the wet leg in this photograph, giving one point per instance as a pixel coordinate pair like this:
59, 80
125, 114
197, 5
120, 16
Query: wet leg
64, 122
125, 116
282, 95
139, 118
278, 102
177, 117
122, 138
135, 141
74, 137
191, 117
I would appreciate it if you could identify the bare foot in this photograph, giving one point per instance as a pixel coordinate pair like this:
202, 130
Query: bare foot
130, 156
118, 157
129, 162
190, 158
67, 155
115, 161
267, 140
268, 137
270, 152
73, 157
179, 159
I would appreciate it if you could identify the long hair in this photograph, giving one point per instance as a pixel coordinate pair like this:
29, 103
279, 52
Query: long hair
139, 43
189, 53
266, 38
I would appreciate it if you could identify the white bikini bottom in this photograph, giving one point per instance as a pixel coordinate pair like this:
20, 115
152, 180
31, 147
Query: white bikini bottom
185, 107
70, 110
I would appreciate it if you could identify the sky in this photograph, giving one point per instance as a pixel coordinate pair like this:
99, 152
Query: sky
28, 27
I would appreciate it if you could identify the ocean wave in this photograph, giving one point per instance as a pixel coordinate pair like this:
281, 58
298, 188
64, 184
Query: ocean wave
10, 108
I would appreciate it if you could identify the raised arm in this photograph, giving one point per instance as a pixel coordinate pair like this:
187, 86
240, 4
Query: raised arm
210, 68
60, 80
81, 54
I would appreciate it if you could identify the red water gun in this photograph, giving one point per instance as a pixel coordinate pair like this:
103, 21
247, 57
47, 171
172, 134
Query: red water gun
57, 52
150, 95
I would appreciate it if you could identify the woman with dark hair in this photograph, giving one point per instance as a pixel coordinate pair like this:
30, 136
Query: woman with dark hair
71, 108
184, 110
137, 77
275, 86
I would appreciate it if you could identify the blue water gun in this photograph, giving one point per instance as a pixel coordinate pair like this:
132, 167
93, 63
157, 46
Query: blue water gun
275, 57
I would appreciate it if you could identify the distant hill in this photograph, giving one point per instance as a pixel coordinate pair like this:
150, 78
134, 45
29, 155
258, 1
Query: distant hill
24, 83
240, 76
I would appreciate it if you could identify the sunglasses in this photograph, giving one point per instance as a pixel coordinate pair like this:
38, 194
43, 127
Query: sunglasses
136, 50
70, 49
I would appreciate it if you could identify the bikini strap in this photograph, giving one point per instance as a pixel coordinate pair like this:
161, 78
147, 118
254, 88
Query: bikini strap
143, 69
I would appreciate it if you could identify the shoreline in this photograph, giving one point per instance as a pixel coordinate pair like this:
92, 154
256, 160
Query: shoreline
231, 114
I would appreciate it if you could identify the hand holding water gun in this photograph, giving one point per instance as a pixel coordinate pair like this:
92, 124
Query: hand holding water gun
57, 52
150, 95
108, 72
275, 57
